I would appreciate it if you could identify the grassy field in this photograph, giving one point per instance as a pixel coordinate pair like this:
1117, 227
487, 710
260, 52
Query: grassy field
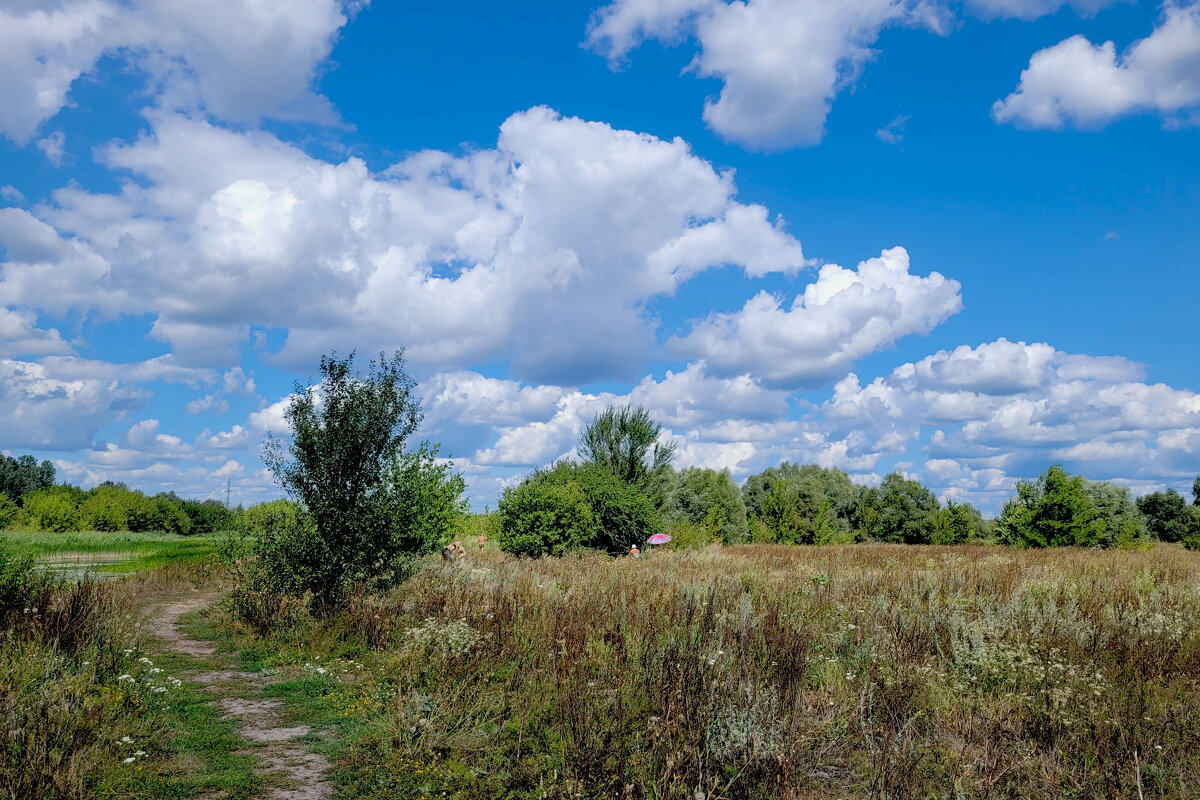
113, 553
866, 671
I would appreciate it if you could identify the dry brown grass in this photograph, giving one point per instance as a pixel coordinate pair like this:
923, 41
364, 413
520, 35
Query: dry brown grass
756, 672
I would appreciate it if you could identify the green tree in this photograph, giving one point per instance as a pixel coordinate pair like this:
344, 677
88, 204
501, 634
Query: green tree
272, 515
347, 433
710, 499
1190, 527
104, 509
625, 441
1165, 514
8, 512
1196, 491
1122, 524
23, 474
899, 510
821, 503
428, 501
52, 509
1053, 511
544, 518
208, 516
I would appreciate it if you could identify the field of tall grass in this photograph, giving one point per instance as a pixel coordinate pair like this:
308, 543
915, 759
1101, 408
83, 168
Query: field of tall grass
864, 671
112, 553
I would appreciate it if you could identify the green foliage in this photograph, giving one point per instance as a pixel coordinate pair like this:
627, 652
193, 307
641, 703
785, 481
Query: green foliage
1053, 511
208, 516
9, 512
105, 509
708, 499
688, 535
1196, 491
428, 501
959, 523
625, 441
347, 435
899, 510
803, 504
1190, 526
21, 584
544, 518
1122, 524
21, 475
1166, 514
53, 509
271, 516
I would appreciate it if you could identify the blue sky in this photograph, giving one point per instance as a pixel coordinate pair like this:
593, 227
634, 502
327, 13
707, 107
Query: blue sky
956, 239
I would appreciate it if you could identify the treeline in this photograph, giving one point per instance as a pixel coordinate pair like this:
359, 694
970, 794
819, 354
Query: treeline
31, 500
624, 490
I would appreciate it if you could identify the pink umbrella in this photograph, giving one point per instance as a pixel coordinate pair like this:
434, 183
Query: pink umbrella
658, 538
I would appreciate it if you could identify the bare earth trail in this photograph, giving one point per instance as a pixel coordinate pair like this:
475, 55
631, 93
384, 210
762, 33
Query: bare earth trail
297, 773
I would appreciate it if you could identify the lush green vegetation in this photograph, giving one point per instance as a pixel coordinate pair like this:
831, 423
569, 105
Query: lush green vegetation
109, 552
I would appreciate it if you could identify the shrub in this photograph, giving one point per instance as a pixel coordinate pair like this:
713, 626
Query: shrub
710, 499
621, 513
106, 508
544, 517
8, 511
1122, 524
270, 517
1190, 528
428, 501
208, 516
54, 509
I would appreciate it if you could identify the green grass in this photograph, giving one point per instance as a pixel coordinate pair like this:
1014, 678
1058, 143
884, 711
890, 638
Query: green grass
109, 552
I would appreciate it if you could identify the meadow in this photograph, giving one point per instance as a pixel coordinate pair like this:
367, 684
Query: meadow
860, 671
108, 553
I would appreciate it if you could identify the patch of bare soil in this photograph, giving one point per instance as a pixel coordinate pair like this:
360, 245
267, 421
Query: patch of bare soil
299, 773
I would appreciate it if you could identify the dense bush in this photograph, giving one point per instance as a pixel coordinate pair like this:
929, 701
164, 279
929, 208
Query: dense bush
9, 512
270, 517
708, 499
620, 514
542, 517
53, 509
1060, 510
428, 501
960, 523
206, 516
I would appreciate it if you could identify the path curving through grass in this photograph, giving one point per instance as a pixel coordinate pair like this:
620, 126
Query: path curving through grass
286, 765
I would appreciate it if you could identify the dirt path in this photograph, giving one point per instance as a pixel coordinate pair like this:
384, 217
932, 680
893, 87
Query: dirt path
299, 773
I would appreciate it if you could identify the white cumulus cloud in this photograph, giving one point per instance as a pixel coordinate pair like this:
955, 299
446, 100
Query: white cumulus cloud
1079, 83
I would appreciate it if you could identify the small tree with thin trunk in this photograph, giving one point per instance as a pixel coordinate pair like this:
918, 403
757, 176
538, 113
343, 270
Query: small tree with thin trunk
348, 433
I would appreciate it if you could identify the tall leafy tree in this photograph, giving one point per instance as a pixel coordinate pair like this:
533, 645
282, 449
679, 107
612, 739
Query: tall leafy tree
1166, 514
625, 441
899, 510
23, 474
1196, 491
710, 499
822, 502
348, 432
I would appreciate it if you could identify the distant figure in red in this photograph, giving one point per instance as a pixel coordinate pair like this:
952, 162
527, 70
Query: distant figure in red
633, 551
